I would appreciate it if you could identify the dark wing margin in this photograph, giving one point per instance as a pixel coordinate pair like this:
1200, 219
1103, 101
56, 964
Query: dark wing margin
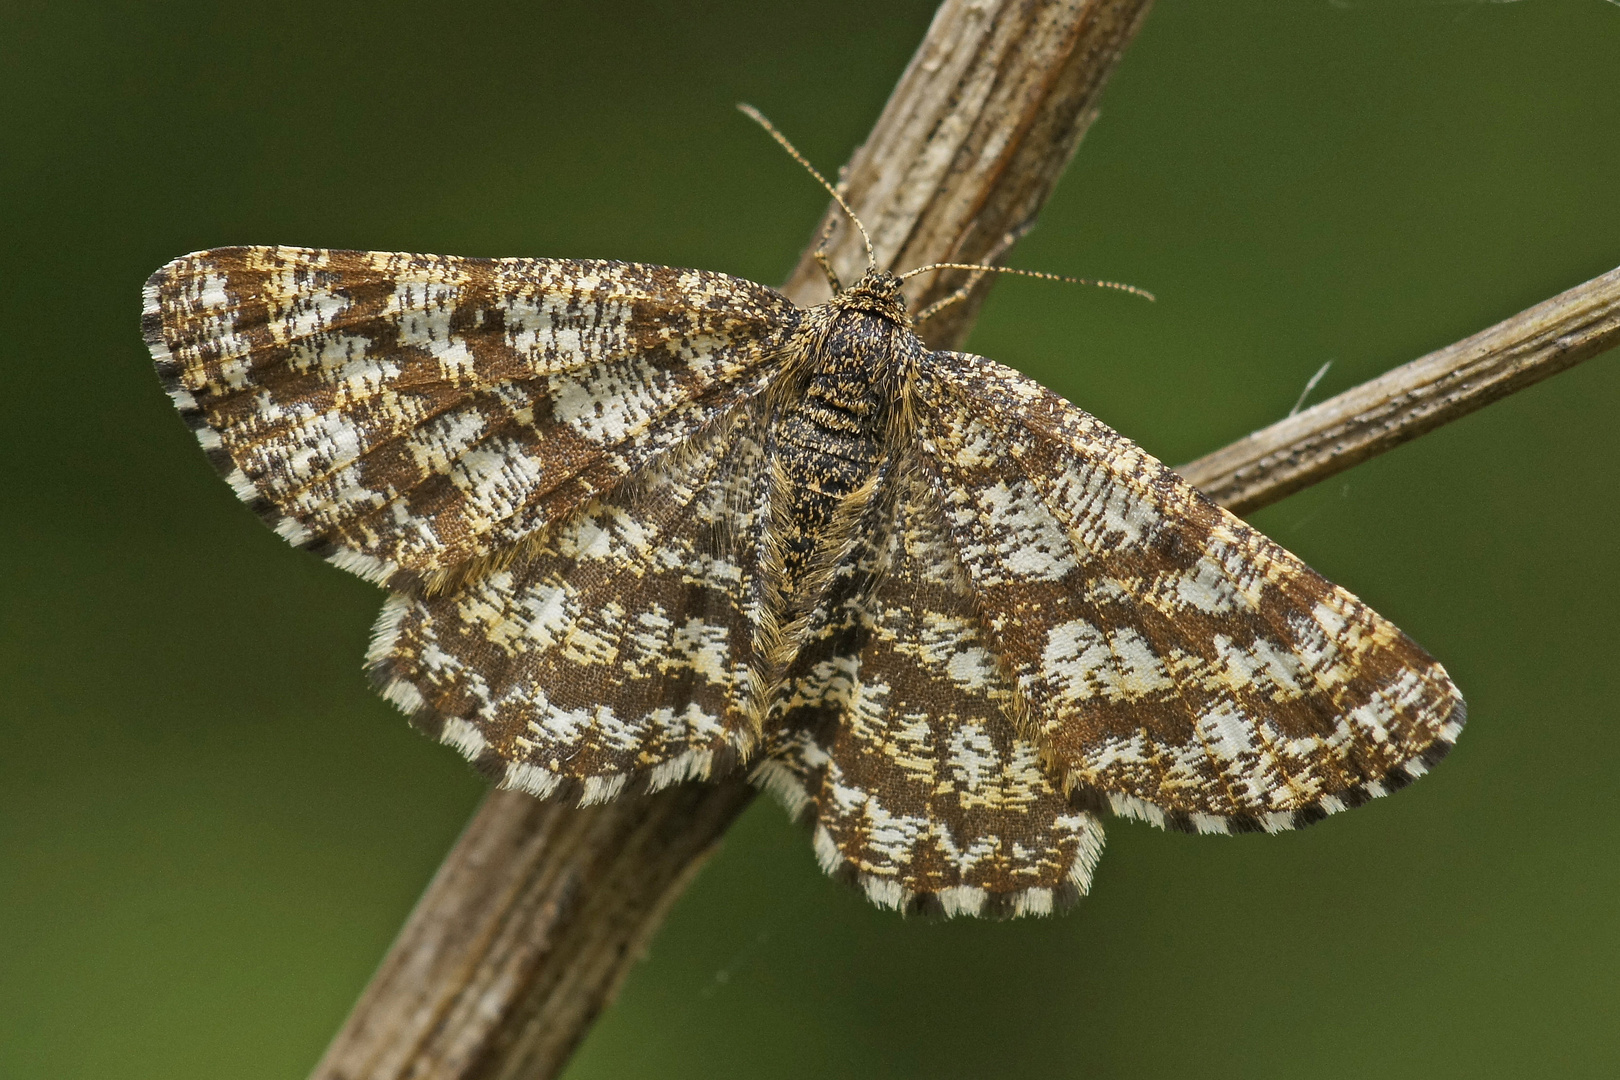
1175, 664
401, 415
614, 655
893, 732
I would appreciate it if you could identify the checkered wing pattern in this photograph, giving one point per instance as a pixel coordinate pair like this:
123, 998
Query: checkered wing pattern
1170, 661
615, 652
894, 733
408, 415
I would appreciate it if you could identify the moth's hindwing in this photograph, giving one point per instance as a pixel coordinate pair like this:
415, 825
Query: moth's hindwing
1173, 661
893, 732
404, 414
615, 652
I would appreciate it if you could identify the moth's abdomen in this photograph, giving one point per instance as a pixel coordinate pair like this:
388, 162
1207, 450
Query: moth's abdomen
831, 442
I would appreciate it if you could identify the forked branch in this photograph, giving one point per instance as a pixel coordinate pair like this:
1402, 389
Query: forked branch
539, 910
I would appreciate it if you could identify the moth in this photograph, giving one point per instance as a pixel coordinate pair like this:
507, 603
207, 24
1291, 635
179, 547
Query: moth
644, 525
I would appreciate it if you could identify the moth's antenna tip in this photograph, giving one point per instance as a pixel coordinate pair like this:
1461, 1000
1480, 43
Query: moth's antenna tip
980, 269
782, 140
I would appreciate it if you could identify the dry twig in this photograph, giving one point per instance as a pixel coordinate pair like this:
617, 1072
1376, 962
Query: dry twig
1414, 398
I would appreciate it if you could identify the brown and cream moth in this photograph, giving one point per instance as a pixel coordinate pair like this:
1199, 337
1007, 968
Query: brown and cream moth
646, 525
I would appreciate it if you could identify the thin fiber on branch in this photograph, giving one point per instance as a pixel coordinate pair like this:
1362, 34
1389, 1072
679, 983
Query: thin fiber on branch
1414, 398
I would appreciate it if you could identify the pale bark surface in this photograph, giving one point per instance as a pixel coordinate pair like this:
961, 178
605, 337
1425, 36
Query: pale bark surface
525, 933
540, 910
977, 133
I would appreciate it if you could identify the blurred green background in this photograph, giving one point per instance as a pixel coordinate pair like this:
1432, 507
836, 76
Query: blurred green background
210, 828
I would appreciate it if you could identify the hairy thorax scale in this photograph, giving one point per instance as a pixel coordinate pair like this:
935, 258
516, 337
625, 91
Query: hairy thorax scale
835, 426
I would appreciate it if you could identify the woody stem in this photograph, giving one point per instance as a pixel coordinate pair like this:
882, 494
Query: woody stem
539, 911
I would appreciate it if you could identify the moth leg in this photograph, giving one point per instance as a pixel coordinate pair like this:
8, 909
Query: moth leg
1001, 248
820, 255
952, 298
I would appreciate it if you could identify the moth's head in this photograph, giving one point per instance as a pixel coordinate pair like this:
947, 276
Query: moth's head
878, 291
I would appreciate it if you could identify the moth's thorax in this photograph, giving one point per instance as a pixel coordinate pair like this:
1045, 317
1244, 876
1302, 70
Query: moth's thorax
837, 416
864, 335
834, 423
878, 293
